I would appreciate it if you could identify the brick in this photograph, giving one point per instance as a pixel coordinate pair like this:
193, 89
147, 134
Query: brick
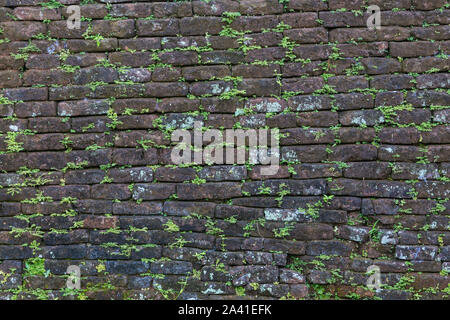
428, 5
281, 121
259, 87
8, 62
307, 5
99, 222
171, 267
254, 23
391, 83
361, 118
353, 153
438, 80
15, 252
224, 190
9, 79
301, 69
153, 191
431, 33
307, 35
42, 61
223, 173
399, 135
357, 234
108, 44
172, 9
82, 108
376, 49
94, 11
199, 25
391, 4
126, 267
380, 65
340, 248
390, 98
313, 231
412, 49
31, 13
306, 86
106, 191
140, 44
415, 252
137, 59
242, 275
346, 84
205, 73
420, 65
299, 153
47, 77
158, 27
42, 142
260, 7
370, 188
135, 10
423, 98
19, 30
353, 101
221, 57
347, 4
256, 71
295, 187
342, 19
367, 170
166, 90
298, 136
313, 52
216, 8
300, 20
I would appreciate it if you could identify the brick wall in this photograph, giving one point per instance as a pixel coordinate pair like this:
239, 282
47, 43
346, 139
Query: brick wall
87, 180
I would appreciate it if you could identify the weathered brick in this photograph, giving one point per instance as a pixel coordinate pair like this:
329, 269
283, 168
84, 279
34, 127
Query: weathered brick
307, 35
82, 108
33, 13
412, 49
367, 170
416, 252
223, 190
153, 191
307, 5
353, 101
19, 30
353, 153
420, 65
438, 80
391, 83
215, 8
9, 79
199, 25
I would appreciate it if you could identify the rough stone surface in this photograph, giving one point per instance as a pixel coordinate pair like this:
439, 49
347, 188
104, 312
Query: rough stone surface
87, 176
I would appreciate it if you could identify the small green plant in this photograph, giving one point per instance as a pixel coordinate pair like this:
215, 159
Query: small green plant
171, 226
240, 291
52, 4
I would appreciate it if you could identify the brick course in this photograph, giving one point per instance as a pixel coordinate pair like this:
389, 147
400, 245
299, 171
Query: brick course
86, 177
